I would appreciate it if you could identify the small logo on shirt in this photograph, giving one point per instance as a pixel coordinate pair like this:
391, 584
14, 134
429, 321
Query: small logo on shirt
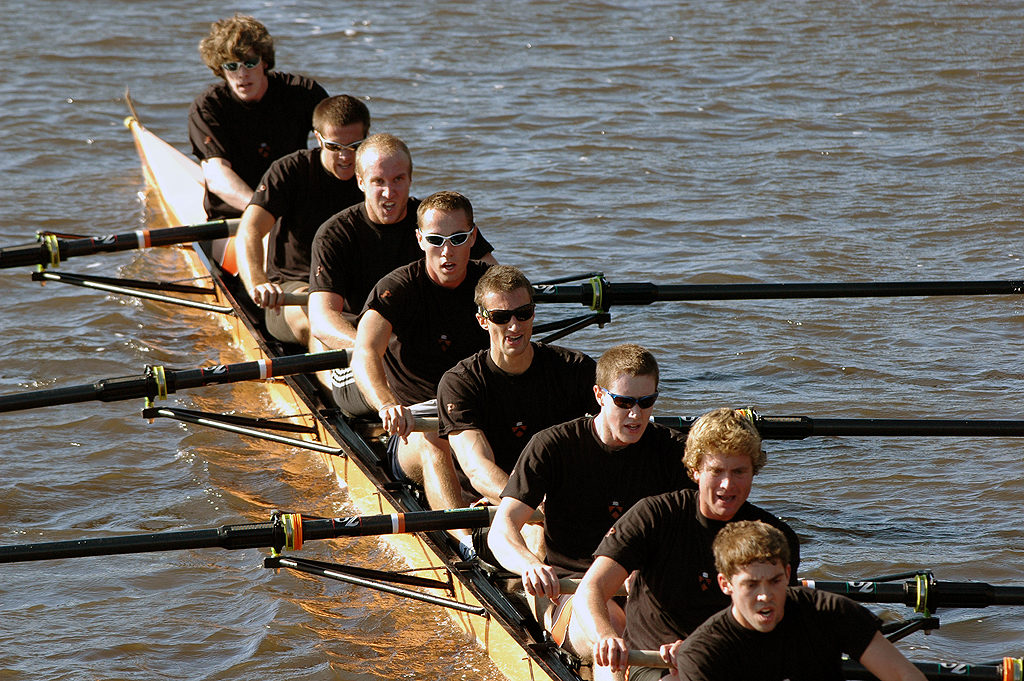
705, 581
262, 187
445, 343
615, 509
264, 150
519, 429
450, 407
386, 294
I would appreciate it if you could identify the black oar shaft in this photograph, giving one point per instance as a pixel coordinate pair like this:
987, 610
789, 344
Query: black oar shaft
605, 295
274, 534
1009, 670
936, 594
158, 382
800, 427
941, 671
52, 250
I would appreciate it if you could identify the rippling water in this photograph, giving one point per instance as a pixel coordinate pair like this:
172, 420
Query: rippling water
711, 142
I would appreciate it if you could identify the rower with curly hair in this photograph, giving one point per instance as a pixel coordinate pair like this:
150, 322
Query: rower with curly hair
252, 117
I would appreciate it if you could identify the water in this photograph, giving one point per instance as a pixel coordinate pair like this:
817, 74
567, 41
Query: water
713, 142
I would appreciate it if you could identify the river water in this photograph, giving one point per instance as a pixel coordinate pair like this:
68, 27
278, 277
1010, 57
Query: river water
675, 142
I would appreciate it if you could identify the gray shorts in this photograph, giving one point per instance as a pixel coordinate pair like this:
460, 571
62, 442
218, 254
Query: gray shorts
276, 324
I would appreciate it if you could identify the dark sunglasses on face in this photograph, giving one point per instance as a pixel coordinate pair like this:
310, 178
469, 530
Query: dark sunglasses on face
235, 65
522, 313
438, 240
337, 146
627, 402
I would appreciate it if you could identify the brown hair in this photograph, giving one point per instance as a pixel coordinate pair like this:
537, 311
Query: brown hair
340, 110
627, 359
384, 144
447, 202
233, 39
501, 279
745, 542
724, 431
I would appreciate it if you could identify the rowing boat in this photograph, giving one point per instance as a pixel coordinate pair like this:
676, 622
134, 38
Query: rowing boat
501, 624
475, 599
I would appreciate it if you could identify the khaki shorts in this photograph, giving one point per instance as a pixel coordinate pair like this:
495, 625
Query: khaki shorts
275, 321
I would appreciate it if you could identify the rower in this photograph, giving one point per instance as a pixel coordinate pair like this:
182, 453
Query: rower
361, 244
587, 472
239, 126
667, 540
772, 630
296, 195
493, 402
416, 324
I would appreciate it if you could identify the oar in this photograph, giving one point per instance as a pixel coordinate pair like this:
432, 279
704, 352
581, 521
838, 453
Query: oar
159, 382
283, 531
1008, 670
800, 427
51, 249
600, 295
923, 593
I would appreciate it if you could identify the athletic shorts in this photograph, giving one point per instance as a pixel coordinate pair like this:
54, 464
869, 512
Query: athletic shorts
276, 325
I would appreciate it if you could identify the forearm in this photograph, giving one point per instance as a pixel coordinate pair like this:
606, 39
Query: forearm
368, 370
252, 230
509, 547
225, 183
327, 324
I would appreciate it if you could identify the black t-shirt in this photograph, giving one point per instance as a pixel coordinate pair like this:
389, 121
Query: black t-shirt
432, 327
250, 136
816, 629
351, 253
668, 539
302, 195
586, 486
511, 408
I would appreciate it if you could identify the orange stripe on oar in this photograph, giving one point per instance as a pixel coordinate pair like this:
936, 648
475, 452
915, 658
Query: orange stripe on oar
398, 523
266, 367
143, 237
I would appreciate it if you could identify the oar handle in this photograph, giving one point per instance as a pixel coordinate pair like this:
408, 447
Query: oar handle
300, 299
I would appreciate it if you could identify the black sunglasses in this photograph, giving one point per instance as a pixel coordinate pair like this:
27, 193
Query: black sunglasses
522, 313
627, 402
234, 65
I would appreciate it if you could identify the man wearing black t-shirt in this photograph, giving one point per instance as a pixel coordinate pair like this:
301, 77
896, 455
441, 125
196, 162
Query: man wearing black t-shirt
771, 631
587, 472
667, 539
355, 248
297, 194
416, 324
492, 403
240, 126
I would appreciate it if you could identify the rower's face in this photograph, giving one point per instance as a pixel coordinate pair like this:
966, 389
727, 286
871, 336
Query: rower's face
625, 426
248, 84
723, 484
446, 264
385, 179
509, 340
339, 162
758, 594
